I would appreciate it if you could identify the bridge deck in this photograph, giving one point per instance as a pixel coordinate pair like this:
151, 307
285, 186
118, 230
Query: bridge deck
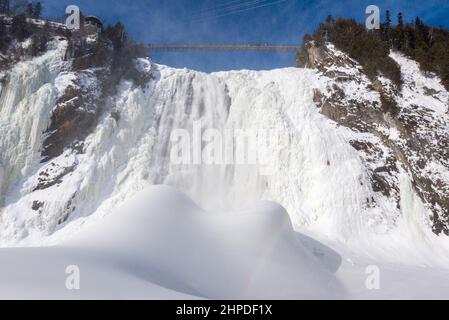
250, 47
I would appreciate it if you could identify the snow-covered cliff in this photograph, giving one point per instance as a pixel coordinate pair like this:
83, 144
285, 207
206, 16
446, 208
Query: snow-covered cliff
341, 167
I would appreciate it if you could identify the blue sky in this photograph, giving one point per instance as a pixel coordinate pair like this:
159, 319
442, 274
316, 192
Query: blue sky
236, 21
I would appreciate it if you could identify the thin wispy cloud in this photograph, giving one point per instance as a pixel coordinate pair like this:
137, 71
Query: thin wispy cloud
240, 9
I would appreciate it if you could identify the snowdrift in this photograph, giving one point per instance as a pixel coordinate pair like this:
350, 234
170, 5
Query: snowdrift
160, 244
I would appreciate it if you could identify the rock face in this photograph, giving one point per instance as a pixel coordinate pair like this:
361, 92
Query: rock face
50, 102
400, 128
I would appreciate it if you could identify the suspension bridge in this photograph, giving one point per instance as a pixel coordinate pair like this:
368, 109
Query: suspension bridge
221, 47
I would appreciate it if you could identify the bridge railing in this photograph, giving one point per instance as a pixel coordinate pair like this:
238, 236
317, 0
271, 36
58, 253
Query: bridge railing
244, 47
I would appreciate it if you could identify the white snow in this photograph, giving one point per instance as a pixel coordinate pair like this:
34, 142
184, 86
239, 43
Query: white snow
26, 101
424, 90
64, 80
160, 245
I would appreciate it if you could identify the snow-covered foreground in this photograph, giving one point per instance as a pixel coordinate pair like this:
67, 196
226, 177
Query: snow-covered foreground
160, 245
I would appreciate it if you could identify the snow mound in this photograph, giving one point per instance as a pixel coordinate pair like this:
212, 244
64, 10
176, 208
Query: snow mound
160, 244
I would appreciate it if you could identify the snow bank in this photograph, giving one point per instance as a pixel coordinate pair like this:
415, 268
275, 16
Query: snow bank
160, 245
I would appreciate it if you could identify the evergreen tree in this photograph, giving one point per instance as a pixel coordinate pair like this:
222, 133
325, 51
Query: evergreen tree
388, 20
3, 38
117, 35
19, 27
422, 44
18, 7
410, 44
399, 42
330, 21
400, 20
386, 28
4, 7
29, 9
39, 40
37, 11
418, 22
